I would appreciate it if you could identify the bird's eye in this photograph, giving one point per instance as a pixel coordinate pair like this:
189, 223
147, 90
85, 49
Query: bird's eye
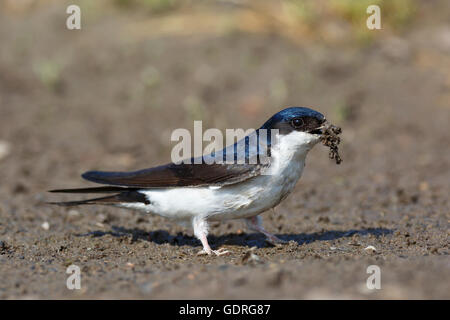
297, 123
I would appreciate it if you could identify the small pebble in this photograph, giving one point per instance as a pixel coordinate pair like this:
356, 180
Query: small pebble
73, 213
370, 249
45, 225
250, 257
5, 149
190, 276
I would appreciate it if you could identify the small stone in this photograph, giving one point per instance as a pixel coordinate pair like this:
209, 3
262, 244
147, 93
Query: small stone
323, 219
148, 287
3, 246
190, 276
434, 250
45, 226
5, 149
102, 218
73, 213
250, 257
370, 249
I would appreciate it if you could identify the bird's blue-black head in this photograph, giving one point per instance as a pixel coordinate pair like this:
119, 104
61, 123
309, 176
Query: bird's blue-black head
296, 119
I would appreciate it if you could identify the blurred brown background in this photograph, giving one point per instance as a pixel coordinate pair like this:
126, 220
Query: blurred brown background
109, 95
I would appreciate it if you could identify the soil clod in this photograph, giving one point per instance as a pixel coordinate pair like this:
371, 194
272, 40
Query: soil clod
330, 138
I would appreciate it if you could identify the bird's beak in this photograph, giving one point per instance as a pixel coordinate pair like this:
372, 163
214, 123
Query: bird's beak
319, 130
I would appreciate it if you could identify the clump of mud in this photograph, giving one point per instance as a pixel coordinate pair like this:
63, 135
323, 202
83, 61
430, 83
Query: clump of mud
330, 139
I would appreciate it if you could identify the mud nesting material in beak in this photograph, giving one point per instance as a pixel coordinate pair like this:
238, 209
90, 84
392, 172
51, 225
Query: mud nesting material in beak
329, 138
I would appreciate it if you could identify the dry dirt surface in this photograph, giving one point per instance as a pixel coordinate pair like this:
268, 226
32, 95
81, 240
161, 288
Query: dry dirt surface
107, 98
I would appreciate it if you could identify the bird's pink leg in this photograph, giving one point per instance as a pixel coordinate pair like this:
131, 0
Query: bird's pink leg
255, 224
201, 232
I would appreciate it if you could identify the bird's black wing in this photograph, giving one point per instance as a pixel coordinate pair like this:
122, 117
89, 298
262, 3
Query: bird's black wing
190, 174
126, 185
178, 175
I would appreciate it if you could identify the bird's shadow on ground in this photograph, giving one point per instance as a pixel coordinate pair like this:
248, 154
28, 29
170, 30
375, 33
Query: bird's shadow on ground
242, 239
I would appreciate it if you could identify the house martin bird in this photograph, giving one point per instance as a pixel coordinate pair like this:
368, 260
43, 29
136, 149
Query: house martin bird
198, 193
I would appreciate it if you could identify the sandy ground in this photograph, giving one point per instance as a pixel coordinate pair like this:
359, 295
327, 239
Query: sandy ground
102, 98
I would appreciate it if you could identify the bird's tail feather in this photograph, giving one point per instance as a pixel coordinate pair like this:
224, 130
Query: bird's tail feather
128, 196
103, 200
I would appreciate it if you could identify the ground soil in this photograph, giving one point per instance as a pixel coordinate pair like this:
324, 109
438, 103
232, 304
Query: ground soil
101, 98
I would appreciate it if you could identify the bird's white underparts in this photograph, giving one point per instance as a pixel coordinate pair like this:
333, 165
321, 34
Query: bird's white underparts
196, 193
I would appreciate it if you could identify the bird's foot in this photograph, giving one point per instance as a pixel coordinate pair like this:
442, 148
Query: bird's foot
255, 223
274, 240
219, 252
